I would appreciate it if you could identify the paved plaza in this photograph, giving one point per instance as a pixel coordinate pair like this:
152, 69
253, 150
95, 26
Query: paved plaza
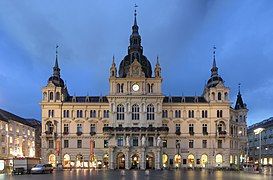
138, 174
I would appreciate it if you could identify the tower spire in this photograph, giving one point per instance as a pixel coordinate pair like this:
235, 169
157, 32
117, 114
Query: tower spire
239, 88
214, 69
56, 69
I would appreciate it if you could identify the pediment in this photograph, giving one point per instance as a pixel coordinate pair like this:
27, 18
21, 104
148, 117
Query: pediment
135, 70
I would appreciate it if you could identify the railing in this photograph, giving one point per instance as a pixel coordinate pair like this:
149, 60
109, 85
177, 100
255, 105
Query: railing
135, 129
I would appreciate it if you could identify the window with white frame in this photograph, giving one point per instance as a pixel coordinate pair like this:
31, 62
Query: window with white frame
135, 112
150, 112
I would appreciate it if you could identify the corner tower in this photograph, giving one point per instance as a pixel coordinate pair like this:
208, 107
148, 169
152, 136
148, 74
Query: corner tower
215, 89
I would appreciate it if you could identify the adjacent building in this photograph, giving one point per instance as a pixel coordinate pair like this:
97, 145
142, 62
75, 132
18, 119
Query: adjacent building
266, 142
137, 126
17, 138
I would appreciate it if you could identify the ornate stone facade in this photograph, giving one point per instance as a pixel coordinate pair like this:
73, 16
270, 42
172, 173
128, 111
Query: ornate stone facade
136, 126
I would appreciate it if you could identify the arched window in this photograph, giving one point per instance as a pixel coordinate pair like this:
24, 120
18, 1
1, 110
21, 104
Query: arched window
150, 112
118, 88
221, 127
79, 113
148, 88
152, 88
49, 126
57, 96
135, 112
219, 159
44, 96
226, 96
120, 112
213, 96
219, 96
121, 88
93, 114
51, 96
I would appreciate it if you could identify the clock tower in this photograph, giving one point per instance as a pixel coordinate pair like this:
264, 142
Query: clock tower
135, 88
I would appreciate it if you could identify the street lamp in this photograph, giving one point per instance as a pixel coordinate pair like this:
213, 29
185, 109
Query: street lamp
259, 131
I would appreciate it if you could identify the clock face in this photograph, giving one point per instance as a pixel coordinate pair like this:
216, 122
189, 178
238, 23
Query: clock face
135, 87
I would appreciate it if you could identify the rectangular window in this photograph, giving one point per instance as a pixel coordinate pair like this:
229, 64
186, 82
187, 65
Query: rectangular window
105, 144
150, 141
204, 144
191, 143
79, 128
164, 114
51, 113
177, 114
120, 141
205, 129
92, 127
135, 141
106, 114
66, 128
204, 114
191, 114
164, 143
177, 128
66, 143
220, 144
66, 114
50, 144
79, 113
219, 113
191, 129
79, 144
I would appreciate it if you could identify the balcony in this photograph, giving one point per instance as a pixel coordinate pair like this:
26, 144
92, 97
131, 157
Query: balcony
49, 133
79, 133
111, 130
178, 133
191, 133
65, 133
92, 133
222, 134
205, 133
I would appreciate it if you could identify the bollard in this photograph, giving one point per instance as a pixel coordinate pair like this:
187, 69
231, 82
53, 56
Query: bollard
147, 172
122, 172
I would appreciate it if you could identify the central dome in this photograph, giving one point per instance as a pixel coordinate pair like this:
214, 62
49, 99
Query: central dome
128, 60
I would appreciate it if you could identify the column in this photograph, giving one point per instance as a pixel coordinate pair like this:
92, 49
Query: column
143, 159
127, 158
111, 157
157, 159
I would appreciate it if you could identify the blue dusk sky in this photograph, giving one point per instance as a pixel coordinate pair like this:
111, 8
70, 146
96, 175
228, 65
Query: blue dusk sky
181, 32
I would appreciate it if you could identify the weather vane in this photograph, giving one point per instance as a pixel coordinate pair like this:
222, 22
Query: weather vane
135, 9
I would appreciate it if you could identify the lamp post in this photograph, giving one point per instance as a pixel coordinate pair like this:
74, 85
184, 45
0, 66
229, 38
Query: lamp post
259, 131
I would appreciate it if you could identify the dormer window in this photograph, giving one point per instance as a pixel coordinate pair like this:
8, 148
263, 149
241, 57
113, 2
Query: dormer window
51, 96
57, 96
219, 96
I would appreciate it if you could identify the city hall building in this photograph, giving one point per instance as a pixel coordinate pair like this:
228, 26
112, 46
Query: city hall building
136, 126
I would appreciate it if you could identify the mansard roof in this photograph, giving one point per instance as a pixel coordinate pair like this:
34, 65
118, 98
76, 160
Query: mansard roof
184, 99
7, 116
88, 99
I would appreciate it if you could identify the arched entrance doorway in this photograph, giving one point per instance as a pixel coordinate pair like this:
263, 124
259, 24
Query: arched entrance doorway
121, 161
204, 160
150, 159
165, 160
177, 160
105, 160
79, 160
52, 160
191, 160
219, 160
135, 161
66, 162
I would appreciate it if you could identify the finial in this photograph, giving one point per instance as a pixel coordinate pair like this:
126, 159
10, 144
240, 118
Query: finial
113, 62
214, 52
239, 88
135, 22
56, 61
157, 60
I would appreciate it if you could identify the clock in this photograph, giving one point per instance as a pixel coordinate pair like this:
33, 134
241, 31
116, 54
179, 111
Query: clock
135, 87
